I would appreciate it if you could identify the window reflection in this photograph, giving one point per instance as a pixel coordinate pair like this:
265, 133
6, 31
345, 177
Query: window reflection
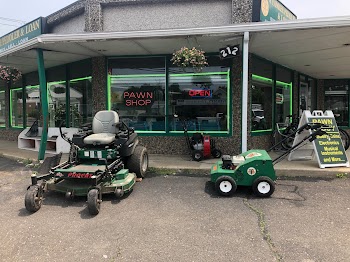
336, 99
16, 107
201, 99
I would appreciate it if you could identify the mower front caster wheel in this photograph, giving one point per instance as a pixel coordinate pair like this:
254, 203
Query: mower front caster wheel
93, 202
225, 185
33, 198
216, 153
263, 186
197, 155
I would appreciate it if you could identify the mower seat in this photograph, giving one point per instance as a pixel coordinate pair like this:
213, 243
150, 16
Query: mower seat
104, 128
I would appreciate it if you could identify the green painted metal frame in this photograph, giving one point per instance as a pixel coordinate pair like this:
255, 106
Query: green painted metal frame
44, 103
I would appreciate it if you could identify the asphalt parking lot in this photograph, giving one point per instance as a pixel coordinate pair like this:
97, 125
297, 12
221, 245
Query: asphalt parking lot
178, 218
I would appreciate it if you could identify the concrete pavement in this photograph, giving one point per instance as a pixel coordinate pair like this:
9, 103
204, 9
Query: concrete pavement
173, 163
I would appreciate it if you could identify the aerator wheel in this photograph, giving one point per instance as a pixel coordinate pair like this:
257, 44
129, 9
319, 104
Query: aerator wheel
225, 185
216, 153
263, 186
33, 198
138, 161
93, 201
197, 155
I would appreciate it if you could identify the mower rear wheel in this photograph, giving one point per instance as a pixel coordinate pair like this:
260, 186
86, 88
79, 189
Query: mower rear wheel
197, 155
93, 201
33, 198
263, 186
138, 161
216, 153
225, 185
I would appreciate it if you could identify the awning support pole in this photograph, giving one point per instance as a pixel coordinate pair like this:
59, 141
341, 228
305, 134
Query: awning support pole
44, 103
245, 82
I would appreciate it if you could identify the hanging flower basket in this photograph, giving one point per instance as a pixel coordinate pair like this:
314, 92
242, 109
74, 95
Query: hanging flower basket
186, 57
9, 74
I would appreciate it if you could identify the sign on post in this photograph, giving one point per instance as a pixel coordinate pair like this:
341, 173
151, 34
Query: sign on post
328, 148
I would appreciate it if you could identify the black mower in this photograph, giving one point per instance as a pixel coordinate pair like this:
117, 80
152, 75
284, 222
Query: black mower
201, 146
104, 159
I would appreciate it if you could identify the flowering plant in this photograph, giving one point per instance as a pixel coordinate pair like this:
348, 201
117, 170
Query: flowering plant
186, 57
9, 73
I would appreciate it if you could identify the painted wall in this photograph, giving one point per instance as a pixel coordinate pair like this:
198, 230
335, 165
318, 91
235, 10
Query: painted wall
73, 25
167, 15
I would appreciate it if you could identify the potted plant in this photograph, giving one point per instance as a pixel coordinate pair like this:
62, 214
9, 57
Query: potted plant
186, 57
9, 74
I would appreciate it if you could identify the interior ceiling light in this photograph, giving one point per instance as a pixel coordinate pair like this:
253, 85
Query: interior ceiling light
307, 65
101, 50
347, 44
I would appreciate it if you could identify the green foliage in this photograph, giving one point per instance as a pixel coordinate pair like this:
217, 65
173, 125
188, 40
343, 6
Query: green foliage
186, 57
342, 175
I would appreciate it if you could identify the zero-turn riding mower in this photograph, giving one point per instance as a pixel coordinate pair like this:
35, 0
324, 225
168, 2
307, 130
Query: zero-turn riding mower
106, 159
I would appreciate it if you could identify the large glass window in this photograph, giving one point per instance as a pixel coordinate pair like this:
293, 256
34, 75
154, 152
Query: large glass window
33, 108
16, 108
201, 99
137, 91
284, 86
56, 93
261, 95
146, 98
2, 108
337, 100
80, 94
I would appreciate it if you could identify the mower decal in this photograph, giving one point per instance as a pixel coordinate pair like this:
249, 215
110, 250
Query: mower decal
253, 154
86, 153
251, 171
79, 175
92, 154
59, 174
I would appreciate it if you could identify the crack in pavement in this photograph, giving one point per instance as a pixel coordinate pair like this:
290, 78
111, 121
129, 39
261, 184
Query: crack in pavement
263, 229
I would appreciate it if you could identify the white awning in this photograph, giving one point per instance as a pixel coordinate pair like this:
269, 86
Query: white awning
316, 47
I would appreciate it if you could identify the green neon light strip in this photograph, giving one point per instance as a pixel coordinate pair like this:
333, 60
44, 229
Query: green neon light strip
137, 76
229, 105
109, 93
163, 75
270, 81
80, 79
201, 74
290, 100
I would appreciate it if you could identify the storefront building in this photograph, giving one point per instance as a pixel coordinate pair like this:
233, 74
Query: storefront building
117, 55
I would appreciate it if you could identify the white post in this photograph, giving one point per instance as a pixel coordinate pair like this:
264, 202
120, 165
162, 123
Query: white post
245, 81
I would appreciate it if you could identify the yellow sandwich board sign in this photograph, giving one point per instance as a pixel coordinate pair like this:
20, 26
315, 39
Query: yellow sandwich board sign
328, 148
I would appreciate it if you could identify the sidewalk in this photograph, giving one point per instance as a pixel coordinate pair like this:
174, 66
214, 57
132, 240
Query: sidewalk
9, 149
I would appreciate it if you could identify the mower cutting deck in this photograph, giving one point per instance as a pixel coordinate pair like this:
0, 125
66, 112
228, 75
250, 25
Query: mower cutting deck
97, 165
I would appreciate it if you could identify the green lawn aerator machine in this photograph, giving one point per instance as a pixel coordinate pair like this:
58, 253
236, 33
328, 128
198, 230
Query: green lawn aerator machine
255, 168
106, 159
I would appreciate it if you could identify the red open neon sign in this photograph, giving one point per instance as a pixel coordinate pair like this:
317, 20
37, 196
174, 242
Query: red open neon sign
200, 93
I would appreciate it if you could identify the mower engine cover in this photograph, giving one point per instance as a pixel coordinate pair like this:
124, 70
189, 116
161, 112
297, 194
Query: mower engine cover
256, 163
